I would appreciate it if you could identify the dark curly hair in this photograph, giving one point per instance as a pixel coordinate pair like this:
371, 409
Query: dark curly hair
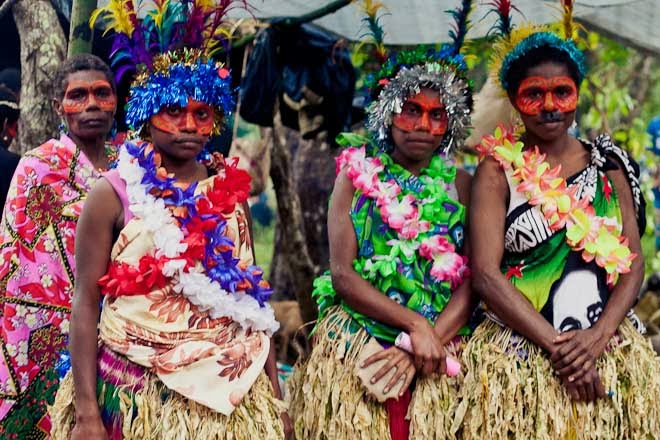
79, 63
543, 54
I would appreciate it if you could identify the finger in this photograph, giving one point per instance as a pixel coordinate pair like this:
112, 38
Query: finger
382, 371
567, 336
600, 389
408, 377
582, 392
571, 358
383, 354
402, 371
419, 363
576, 368
591, 392
564, 350
581, 372
572, 390
443, 365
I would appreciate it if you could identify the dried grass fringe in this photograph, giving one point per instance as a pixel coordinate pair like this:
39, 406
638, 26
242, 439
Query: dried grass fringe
328, 402
153, 416
507, 397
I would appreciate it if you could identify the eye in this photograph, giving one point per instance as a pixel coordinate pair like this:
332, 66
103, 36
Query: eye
438, 114
103, 92
174, 110
202, 113
563, 91
76, 94
410, 109
533, 93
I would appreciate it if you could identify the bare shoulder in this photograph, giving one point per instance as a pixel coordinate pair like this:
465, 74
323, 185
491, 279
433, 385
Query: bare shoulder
490, 174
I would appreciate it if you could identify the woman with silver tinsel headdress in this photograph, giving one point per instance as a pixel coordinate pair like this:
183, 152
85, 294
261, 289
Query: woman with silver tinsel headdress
393, 307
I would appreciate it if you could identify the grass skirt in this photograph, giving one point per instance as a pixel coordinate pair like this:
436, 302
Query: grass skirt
141, 407
510, 391
328, 401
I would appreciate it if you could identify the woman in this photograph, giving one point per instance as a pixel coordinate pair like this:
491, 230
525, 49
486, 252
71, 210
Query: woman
557, 262
397, 264
38, 230
9, 114
185, 348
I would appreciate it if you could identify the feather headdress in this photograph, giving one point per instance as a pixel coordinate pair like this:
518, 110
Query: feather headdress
404, 73
514, 43
169, 50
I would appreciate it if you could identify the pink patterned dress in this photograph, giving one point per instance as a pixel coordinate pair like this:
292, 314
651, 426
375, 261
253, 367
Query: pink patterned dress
37, 269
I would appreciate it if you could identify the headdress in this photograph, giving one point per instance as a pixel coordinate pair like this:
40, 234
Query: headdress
404, 73
515, 43
170, 51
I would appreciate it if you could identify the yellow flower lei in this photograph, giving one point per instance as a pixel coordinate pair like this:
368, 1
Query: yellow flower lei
599, 238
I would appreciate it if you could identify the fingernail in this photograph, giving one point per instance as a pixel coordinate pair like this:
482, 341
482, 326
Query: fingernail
373, 380
570, 379
386, 390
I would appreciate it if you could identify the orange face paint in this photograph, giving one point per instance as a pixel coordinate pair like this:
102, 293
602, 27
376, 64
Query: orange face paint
422, 113
196, 117
81, 95
536, 94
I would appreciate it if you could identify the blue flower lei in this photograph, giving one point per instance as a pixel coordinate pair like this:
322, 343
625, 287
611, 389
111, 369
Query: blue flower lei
221, 267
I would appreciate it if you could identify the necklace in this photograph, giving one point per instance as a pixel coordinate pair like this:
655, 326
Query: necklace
191, 251
599, 238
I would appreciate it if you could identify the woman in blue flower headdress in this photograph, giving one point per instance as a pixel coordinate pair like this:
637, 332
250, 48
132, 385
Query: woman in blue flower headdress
183, 348
398, 270
555, 226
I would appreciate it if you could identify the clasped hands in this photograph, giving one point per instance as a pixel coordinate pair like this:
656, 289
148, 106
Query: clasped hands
574, 359
428, 357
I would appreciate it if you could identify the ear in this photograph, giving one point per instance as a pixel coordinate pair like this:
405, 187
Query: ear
57, 105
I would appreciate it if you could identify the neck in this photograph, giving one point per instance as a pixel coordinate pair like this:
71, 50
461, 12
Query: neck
94, 149
552, 148
413, 166
186, 171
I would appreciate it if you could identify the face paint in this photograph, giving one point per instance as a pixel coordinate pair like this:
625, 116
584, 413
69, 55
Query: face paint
537, 94
422, 113
80, 95
196, 117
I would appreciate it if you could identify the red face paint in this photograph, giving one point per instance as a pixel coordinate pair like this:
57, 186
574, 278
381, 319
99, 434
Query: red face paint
196, 117
537, 94
422, 113
81, 95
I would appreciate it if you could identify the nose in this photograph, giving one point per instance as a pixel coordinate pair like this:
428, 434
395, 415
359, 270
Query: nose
189, 123
549, 103
92, 102
424, 122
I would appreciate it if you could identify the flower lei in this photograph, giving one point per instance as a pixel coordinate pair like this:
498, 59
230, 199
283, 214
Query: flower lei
599, 238
408, 215
191, 251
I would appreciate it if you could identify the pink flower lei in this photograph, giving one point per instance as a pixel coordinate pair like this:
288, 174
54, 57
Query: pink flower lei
403, 213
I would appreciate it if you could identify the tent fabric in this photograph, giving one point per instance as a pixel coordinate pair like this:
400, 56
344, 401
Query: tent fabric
635, 22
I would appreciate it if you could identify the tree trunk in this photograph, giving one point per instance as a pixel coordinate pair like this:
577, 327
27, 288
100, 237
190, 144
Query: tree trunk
43, 48
80, 34
292, 248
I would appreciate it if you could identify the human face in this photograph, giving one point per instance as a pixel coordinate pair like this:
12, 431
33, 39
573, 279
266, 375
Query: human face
546, 100
418, 130
88, 105
182, 132
422, 112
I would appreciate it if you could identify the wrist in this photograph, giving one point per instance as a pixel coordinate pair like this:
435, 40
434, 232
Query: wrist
415, 323
87, 411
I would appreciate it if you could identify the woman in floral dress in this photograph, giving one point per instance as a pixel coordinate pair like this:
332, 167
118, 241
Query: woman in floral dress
37, 238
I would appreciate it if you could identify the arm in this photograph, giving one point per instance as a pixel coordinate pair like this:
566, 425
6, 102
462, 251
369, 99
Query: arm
487, 219
362, 296
93, 244
461, 304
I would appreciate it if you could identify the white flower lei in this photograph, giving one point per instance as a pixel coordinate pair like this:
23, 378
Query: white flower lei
207, 295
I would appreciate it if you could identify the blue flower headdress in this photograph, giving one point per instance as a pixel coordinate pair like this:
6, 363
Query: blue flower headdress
170, 51
402, 74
